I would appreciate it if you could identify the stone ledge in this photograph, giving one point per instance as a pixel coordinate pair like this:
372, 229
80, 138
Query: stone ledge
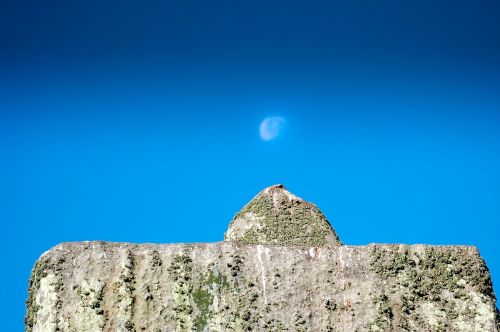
103, 286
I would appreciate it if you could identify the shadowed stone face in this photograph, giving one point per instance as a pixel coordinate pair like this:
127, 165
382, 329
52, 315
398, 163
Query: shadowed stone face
277, 217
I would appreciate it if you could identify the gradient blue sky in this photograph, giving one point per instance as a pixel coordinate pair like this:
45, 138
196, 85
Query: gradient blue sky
138, 121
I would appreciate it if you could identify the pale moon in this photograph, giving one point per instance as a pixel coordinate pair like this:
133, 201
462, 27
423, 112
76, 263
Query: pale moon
271, 127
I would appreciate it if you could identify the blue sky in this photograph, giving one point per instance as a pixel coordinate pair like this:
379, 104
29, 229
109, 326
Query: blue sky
128, 121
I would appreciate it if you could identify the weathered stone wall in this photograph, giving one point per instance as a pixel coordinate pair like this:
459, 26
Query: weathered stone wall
99, 286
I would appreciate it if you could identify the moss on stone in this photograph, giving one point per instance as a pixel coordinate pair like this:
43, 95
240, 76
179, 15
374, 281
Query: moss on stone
497, 319
41, 269
124, 291
180, 270
235, 265
300, 323
280, 220
216, 279
330, 305
203, 300
385, 314
419, 278
90, 309
212, 282
226, 287
155, 260
274, 325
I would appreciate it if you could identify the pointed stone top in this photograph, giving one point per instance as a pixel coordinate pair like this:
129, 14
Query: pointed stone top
277, 217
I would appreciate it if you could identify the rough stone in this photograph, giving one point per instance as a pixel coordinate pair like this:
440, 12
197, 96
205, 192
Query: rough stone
268, 283
277, 217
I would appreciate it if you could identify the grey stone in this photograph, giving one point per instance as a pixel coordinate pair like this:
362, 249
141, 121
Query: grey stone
277, 217
265, 282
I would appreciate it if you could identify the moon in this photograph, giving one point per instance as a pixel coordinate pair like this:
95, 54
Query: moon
271, 127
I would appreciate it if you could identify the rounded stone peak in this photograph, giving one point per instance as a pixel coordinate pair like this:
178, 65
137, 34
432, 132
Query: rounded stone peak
277, 217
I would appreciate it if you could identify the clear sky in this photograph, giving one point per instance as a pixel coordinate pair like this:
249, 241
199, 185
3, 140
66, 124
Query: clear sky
139, 121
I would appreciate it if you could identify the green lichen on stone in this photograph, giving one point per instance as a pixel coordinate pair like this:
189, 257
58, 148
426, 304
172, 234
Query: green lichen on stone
216, 279
235, 265
203, 300
155, 260
275, 218
243, 307
300, 323
423, 277
211, 283
180, 270
385, 315
124, 290
330, 305
41, 270
274, 325
91, 295
435, 271
497, 319
232, 287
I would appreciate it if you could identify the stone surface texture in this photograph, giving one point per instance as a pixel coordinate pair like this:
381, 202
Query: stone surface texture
275, 281
277, 217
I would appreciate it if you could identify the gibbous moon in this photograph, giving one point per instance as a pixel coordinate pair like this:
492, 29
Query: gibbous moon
271, 127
